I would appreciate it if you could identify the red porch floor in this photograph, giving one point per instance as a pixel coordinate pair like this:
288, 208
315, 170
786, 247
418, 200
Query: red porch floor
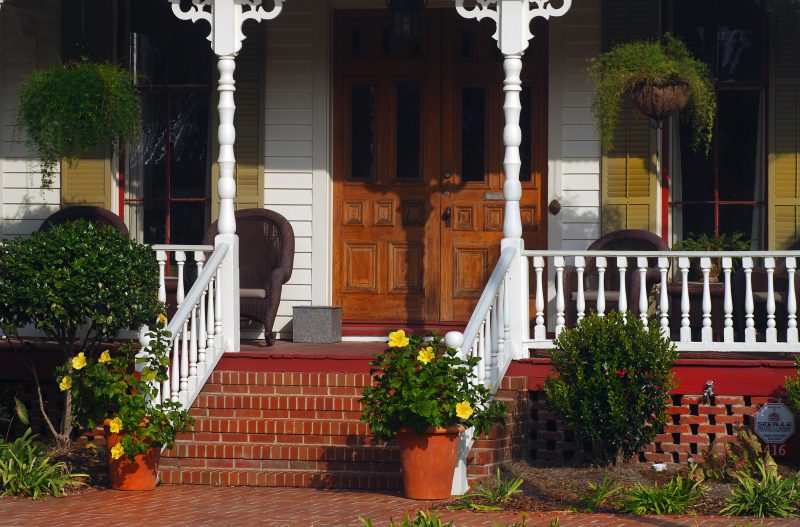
177, 506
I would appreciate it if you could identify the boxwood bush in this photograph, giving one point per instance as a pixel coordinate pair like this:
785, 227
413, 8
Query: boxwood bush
610, 379
79, 284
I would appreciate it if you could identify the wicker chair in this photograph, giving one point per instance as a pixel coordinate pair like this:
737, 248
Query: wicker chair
92, 214
625, 240
266, 256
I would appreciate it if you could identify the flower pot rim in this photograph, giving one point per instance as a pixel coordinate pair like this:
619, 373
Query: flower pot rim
452, 429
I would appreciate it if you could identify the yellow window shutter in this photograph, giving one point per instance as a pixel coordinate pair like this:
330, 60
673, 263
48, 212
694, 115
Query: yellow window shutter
249, 147
86, 31
629, 184
784, 162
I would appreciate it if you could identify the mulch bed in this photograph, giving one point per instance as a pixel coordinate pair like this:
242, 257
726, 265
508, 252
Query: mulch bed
550, 487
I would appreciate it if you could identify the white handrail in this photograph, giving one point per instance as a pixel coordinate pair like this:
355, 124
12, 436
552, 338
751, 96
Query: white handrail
196, 344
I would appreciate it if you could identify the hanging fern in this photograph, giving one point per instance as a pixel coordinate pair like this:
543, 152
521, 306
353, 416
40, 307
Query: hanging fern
68, 110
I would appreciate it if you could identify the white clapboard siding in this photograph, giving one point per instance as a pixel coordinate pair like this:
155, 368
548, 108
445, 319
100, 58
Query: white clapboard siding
575, 38
23, 205
289, 148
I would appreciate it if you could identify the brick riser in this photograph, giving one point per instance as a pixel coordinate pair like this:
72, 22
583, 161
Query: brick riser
303, 430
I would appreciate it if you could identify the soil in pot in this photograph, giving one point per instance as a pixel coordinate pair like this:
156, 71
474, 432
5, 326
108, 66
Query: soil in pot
659, 102
428, 462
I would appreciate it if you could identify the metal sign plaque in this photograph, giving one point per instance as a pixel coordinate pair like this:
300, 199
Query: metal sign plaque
774, 423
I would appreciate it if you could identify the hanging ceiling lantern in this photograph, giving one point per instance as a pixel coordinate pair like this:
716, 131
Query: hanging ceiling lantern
406, 20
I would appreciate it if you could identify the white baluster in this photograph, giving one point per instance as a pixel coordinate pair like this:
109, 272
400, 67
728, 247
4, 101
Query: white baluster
663, 300
487, 349
495, 329
166, 386
622, 265
175, 374
727, 267
211, 300
749, 306
180, 259
558, 262
193, 338
202, 342
791, 301
218, 312
539, 331
686, 330
184, 386
706, 334
480, 368
772, 332
600, 263
161, 258
641, 262
580, 264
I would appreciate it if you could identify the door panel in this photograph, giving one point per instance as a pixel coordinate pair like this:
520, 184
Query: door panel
418, 203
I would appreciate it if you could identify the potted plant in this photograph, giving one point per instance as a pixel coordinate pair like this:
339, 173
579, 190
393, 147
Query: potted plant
120, 390
68, 110
425, 395
661, 76
706, 244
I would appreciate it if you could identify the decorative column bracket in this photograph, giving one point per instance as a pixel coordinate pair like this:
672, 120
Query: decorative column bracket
226, 18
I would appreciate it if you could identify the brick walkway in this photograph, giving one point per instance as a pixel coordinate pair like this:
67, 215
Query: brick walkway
176, 506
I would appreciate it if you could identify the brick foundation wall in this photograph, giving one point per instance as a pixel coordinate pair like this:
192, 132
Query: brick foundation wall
693, 427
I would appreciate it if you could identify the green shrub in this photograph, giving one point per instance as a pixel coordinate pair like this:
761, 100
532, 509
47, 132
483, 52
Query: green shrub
792, 385
26, 471
769, 496
79, 284
491, 493
677, 495
422, 519
68, 110
611, 379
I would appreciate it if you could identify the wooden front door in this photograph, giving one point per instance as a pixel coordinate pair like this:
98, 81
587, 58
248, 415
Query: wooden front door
418, 152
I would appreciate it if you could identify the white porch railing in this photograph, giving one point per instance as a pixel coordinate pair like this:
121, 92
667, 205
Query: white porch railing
660, 299
196, 329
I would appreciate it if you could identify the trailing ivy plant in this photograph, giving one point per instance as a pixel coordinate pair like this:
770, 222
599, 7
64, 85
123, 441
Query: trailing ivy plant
611, 378
68, 110
658, 62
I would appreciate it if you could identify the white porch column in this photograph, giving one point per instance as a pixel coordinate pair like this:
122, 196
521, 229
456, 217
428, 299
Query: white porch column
226, 18
513, 33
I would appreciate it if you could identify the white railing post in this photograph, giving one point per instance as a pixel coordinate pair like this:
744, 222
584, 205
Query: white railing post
600, 263
772, 332
161, 258
641, 262
539, 331
558, 262
663, 301
622, 265
727, 267
706, 333
202, 337
686, 330
749, 305
580, 306
791, 301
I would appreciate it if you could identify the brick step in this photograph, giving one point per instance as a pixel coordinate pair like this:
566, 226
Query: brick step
344, 451
278, 402
281, 478
260, 425
278, 390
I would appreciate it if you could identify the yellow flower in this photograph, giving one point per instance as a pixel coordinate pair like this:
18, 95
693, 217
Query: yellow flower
115, 425
104, 357
66, 383
426, 355
162, 318
398, 339
464, 410
118, 451
79, 361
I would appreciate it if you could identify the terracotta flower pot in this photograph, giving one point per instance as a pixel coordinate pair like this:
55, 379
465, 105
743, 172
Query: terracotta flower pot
139, 474
428, 461
659, 102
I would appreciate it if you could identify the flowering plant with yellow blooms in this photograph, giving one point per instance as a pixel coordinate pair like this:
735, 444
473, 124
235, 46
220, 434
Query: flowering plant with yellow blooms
420, 384
119, 388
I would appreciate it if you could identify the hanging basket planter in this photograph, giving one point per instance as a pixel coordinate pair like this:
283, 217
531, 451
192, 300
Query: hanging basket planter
659, 102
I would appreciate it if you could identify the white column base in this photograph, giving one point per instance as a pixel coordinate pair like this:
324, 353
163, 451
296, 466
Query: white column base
231, 338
